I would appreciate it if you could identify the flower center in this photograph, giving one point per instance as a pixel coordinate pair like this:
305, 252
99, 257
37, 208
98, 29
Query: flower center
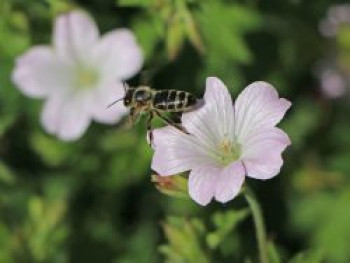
86, 78
228, 151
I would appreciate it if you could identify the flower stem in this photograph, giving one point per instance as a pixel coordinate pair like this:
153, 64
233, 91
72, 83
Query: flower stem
259, 224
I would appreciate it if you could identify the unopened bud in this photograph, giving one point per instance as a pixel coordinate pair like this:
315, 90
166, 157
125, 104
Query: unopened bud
175, 185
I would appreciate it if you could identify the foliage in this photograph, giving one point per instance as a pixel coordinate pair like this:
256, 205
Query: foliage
92, 200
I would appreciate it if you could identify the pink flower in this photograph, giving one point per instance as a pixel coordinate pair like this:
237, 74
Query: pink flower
333, 84
226, 142
79, 75
337, 16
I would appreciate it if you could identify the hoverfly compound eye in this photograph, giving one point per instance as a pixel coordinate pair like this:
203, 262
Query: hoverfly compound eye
126, 102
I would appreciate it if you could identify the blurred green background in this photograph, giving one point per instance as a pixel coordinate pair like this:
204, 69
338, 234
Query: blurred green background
92, 200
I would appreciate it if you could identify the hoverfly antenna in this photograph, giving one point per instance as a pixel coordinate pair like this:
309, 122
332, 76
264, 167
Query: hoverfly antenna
125, 85
114, 102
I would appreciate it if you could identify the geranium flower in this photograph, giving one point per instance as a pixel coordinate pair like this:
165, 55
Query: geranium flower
226, 142
337, 16
79, 75
333, 82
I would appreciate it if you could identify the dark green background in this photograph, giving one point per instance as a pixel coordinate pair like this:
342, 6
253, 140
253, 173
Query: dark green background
93, 200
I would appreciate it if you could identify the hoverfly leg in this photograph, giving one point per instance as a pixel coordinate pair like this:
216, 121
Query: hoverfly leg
149, 128
132, 117
172, 123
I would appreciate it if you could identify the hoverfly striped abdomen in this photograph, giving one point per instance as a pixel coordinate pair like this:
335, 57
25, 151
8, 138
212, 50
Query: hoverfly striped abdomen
173, 101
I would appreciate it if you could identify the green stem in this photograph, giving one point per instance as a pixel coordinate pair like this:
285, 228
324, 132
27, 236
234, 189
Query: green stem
259, 224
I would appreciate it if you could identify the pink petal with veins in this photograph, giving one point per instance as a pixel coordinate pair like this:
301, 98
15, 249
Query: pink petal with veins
176, 152
202, 184
229, 182
258, 107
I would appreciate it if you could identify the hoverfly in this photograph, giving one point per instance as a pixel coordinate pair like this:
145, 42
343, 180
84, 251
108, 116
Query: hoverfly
143, 99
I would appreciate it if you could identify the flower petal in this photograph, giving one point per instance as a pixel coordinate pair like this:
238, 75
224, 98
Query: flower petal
229, 182
117, 55
65, 116
258, 107
215, 119
261, 154
105, 95
176, 152
39, 72
75, 34
202, 184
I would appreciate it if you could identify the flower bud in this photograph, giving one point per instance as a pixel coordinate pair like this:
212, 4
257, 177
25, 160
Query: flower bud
175, 186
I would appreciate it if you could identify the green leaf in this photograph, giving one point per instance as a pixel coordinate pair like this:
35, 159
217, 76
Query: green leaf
149, 30
140, 246
135, 3
307, 257
6, 175
273, 253
52, 151
175, 36
324, 218
184, 239
14, 30
225, 223
223, 27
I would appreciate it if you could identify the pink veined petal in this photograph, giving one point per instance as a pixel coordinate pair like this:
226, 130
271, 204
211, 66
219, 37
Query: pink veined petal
117, 55
39, 72
261, 154
258, 107
202, 184
102, 97
229, 182
75, 35
176, 152
215, 119
65, 116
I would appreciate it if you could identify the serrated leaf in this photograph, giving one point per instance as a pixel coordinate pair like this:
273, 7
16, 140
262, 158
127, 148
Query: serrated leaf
224, 224
184, 241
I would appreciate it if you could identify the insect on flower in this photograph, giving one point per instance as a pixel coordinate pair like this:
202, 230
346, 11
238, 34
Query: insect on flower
143, 99
227, 141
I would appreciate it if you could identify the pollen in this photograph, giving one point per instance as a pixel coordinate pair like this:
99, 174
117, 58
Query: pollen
229, 151
86, 78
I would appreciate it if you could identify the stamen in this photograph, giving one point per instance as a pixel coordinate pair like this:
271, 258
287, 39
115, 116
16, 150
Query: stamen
86, 78
228, 151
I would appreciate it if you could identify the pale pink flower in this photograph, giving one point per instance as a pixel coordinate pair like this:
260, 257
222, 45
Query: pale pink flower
337, 16
333, 83
226, 143
79, 75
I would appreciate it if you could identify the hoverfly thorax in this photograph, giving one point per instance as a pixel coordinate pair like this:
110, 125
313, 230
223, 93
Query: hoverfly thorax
143, 94
137, 96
